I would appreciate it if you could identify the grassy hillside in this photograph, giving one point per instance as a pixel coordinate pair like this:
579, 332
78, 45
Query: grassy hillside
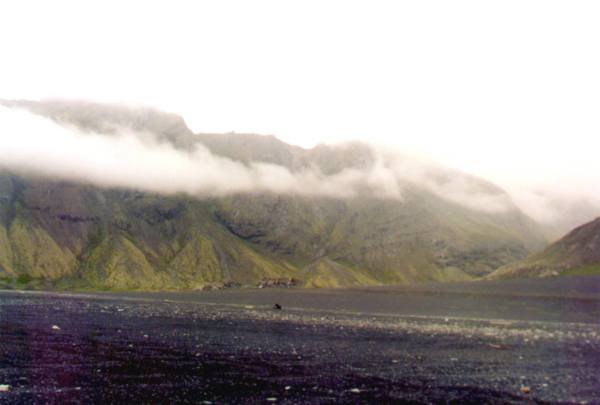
578, 253
75, 236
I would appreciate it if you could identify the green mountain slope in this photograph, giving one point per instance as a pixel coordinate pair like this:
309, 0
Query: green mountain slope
58, 234
576, 253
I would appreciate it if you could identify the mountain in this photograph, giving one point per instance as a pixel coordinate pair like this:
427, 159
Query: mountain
576, 253
560, 211
568, 213
59, 233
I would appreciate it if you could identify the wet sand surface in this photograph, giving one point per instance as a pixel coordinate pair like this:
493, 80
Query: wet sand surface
530, 341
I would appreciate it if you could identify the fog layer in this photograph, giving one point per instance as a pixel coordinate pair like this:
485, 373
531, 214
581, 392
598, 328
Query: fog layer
129, 159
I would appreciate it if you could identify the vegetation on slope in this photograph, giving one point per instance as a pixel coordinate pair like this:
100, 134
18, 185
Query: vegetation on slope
578, 253
63, 235
56, 234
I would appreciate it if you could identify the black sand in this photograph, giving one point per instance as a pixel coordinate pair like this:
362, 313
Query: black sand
497, 343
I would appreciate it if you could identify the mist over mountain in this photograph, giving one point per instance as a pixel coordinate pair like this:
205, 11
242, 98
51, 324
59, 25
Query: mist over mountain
576, 253
559, 210
104, 196
150, 150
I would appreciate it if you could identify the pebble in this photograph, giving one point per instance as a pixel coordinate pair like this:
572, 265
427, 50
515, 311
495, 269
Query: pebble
4, 387
55, 327
271, 399
525, 390
287, 387
355, 391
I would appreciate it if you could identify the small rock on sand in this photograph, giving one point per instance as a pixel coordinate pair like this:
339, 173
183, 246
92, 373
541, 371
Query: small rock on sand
4, 387
55, 327
525, 390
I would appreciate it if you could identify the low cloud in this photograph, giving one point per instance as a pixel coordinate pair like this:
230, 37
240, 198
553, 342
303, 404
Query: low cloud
130, 159
453, 185
563, 209
126, 157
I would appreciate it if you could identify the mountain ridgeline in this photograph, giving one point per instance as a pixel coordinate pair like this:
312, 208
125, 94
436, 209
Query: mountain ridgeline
58, 233
577, 253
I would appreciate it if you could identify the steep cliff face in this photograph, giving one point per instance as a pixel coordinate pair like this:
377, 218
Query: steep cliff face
64, 234
576, 253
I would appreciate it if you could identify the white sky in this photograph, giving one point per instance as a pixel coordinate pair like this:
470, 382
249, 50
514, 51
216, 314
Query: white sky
508, 90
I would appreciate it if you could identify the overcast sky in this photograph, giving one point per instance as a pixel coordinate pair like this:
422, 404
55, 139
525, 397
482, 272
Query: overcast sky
508, 90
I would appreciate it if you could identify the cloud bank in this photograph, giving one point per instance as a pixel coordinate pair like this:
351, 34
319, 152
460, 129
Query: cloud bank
128, 158
132, 159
